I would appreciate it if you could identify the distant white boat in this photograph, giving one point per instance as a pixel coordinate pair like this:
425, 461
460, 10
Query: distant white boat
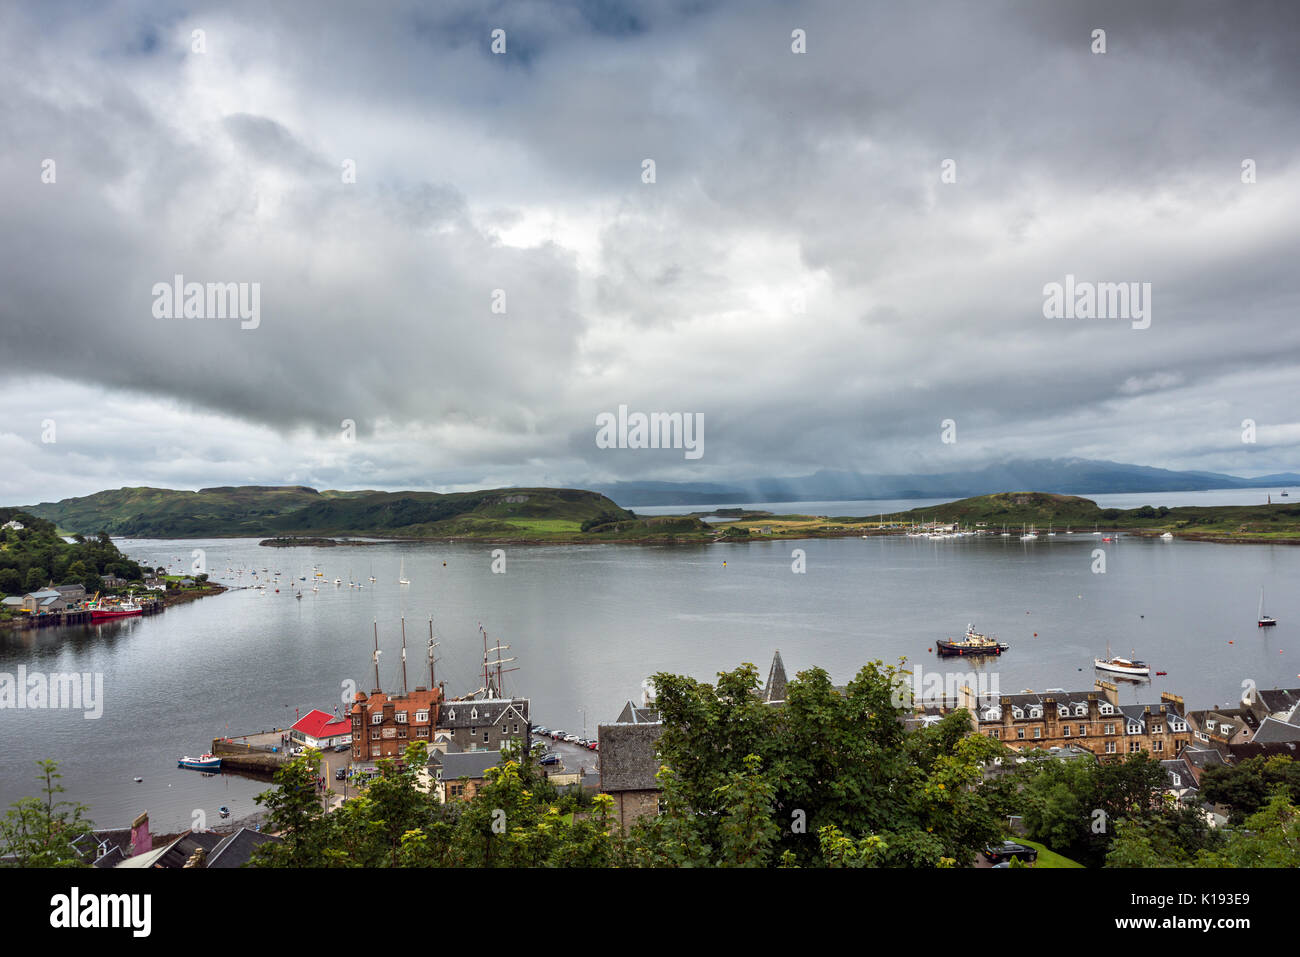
1264, 621
402, 579
1028, 536
1167, 536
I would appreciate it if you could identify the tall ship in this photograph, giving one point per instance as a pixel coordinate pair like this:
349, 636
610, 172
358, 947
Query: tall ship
973, 644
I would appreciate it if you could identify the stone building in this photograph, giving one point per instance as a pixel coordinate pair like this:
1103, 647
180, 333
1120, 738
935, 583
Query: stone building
485, 724
629, 763
1093, 720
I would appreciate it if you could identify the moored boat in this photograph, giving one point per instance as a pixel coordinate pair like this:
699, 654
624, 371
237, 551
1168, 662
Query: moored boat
205, 762
1264, 621
973, 644
1122, 666
102, 610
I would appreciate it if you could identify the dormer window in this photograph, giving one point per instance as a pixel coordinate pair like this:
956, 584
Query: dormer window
377, 718
1080, 710
1036, 712
400, 717
473, 714
1017, 711
421, 716
1062, 711
451, 715
1106, 709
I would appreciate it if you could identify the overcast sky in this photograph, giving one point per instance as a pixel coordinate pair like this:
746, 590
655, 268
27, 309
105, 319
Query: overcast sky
798, 273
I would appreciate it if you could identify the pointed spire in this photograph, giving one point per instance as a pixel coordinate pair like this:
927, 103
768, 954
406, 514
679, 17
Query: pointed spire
776, 680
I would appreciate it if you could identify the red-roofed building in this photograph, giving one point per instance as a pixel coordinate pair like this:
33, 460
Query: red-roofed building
318, 729
383, 725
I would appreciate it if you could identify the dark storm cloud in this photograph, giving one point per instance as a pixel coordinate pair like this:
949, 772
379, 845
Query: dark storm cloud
798, 272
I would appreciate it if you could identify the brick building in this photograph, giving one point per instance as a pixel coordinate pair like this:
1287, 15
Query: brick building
383, 725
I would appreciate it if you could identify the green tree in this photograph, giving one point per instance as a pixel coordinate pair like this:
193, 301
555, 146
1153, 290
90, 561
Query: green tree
39, 832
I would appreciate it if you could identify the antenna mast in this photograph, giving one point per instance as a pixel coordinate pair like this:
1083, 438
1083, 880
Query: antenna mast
375, 657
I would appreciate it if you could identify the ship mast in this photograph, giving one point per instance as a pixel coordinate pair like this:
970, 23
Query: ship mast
404, 692
494, 689
432, 644
375, 658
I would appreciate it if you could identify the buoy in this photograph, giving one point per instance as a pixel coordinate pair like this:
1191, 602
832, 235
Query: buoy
1035, 634
724, 564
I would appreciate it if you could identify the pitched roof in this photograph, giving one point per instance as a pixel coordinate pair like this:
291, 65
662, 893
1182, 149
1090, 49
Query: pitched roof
628, 757
774, 690
484, 711
1273, 731
631, 714
464, 764
237, 849
318, 724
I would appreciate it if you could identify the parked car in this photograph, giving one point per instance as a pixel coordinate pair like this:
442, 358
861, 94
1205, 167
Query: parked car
341, 774
571, 738
998, 853
551, 759
340, 748
557, 735
593, 746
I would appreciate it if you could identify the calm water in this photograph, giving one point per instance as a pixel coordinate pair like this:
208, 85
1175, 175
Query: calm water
588, 623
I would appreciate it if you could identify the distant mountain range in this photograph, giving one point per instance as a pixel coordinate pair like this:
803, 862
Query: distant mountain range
1061, 476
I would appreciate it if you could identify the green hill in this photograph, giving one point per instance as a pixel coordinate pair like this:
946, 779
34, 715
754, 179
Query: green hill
1275, 522
292, 511
35, 555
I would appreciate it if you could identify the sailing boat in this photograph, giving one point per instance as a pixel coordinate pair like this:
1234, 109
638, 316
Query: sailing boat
1005, 533
1050, 533
1028, 536
402, 579
372, 571
1265, 621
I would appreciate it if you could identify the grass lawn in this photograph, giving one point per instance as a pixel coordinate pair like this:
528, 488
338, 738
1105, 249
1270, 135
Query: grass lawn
1046, 858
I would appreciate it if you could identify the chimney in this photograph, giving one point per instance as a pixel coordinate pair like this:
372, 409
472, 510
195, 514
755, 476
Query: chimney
141, 839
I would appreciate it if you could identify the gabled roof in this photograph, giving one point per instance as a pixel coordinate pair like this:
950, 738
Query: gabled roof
631, 714
485, 711
175, 854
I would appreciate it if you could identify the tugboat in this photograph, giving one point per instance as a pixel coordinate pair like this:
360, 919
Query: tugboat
973, 644
205, 762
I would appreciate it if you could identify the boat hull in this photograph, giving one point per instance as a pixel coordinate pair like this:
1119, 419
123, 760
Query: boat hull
1139, 672
106, 614
948, 650
194, 764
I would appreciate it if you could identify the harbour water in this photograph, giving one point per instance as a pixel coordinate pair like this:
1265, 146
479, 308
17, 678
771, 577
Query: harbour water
588, 623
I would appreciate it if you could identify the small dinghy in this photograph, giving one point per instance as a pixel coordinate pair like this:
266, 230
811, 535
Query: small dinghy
223, 811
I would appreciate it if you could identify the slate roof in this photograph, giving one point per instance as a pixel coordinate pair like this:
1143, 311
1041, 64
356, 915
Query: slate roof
475, 713
631, 714
237, 849
1256, 749
628, 759
774, 690
175, 854
1202, 758
463, 764
1278, 699
1273, 731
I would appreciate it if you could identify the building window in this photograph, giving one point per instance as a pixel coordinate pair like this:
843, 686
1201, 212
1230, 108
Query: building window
1110, 747
401, 732
374, 734
485, 735
400, 717
421, 716
1083, 730
1020, 733
377, 718
994, 734
1067, 729
1110, 729
1157, 729
1038, 732
1157, 745
1134, 747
